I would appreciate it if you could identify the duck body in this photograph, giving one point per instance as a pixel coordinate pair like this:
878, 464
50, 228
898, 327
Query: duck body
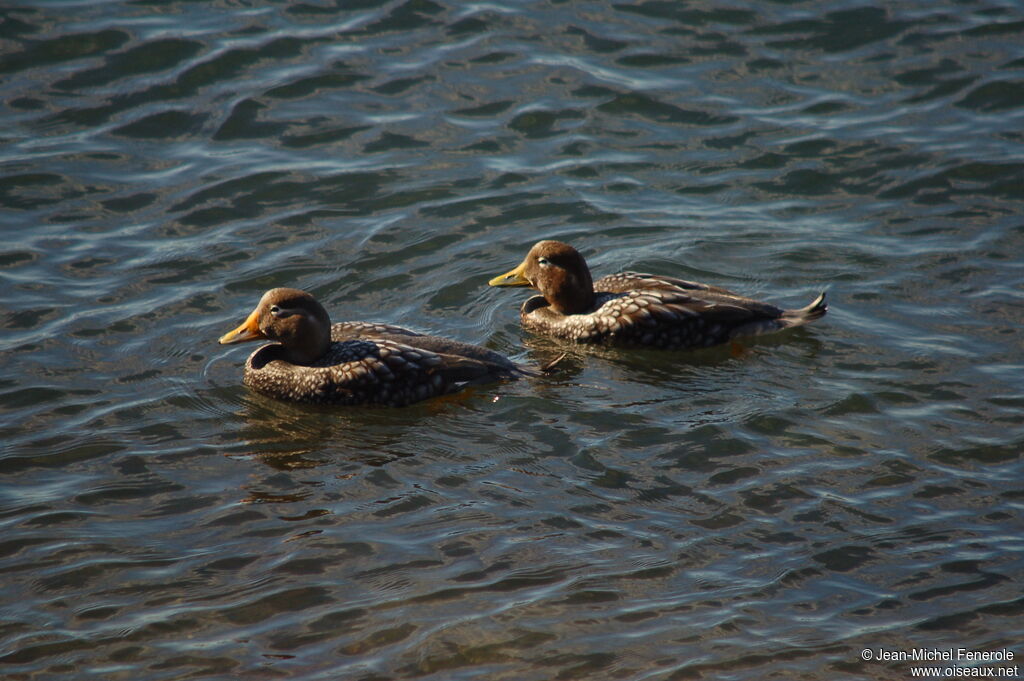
632, 309
354, 363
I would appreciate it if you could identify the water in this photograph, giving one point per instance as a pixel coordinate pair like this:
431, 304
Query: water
762, 514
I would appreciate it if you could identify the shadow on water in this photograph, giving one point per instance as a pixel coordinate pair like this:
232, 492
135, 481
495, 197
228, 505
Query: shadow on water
289, 435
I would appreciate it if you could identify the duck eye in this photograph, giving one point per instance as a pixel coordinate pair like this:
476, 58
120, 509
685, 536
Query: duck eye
543, 261
275, 310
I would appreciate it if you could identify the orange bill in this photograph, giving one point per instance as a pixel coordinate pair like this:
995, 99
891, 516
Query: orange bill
512, 278
249, 330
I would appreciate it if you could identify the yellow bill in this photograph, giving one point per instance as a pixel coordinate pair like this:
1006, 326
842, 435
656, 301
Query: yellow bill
512, 278
249, 330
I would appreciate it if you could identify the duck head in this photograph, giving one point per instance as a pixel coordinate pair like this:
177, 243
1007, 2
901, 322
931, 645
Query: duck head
559, 272
291, 317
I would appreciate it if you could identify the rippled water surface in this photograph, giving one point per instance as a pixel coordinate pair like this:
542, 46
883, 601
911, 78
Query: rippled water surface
762, 513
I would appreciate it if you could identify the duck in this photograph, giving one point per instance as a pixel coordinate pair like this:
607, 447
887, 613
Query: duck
631, 309
311, 360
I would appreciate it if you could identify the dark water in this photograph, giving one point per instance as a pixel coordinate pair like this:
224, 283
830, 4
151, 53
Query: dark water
640, 516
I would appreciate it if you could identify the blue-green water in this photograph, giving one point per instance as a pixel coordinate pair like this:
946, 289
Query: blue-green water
763, 514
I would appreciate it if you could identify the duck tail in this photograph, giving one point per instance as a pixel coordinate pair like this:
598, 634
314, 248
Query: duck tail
537, 371
805, 315
549, 367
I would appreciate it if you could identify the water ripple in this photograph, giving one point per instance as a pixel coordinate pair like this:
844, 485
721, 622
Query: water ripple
766, 510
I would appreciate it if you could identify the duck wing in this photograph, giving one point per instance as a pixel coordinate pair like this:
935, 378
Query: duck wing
488, 364
672, 318
343, 331
624, 282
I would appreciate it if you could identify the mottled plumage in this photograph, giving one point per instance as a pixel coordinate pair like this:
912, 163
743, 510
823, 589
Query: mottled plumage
353, 363
632, 309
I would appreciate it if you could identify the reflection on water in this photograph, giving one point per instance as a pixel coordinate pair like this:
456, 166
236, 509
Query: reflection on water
766, 510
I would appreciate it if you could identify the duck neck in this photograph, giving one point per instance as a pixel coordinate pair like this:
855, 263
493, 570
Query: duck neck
573, 295
308, 350
307, 340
